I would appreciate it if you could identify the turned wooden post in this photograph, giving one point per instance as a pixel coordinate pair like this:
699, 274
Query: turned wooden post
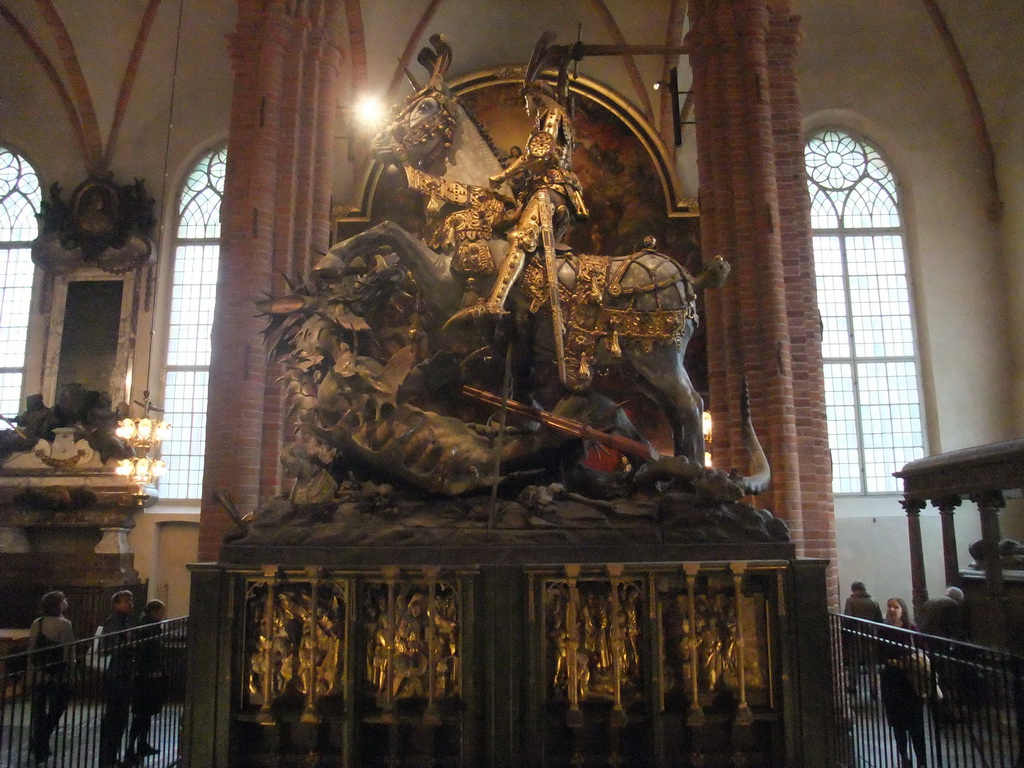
989, 503
917, 578
946, 505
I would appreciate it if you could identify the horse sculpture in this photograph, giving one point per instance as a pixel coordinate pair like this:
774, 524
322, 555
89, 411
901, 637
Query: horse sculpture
356, 334
638, 310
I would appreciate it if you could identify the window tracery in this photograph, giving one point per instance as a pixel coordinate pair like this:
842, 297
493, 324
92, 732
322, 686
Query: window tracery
872, 378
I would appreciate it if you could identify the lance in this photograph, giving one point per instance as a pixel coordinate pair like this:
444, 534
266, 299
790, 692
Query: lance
566, 426
547, 230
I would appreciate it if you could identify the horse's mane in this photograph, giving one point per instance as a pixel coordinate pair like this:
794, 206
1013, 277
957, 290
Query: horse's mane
503, 157
473, 156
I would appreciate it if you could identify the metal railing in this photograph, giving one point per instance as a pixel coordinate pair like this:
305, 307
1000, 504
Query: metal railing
906, 699
120, 694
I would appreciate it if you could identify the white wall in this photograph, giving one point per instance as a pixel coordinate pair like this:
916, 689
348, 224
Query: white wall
880, 69
165, 542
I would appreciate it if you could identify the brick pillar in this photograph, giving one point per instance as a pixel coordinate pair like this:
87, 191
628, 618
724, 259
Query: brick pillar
328, 69
306, 104
286, 194
783, 41
269, 108
748, 324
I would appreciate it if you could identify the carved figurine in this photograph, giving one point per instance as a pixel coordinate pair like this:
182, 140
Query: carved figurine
411, 655
445, 651
378, 651
552, 197
630, 630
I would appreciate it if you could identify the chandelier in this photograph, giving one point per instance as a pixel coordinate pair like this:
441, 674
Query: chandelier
142, 434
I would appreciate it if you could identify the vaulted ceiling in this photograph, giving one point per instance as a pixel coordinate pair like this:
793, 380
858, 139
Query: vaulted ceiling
96, 67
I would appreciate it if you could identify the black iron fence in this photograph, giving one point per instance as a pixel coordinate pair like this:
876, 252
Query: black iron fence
102, 701
904, 699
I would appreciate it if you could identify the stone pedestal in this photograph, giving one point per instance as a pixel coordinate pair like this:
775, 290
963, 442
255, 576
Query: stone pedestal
64, 523
515, 650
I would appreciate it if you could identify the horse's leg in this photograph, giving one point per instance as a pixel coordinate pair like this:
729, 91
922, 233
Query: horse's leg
519, 333
664, 379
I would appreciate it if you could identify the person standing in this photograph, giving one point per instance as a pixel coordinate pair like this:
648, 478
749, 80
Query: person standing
149, 690
116, 643
858, 640
901, 701
861, 605
944, 616
50, 667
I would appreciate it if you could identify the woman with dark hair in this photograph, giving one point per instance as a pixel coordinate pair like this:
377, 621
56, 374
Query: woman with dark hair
50, 637
149, 689
904, 707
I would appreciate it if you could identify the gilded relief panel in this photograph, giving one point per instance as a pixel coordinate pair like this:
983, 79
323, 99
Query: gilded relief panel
593, 639
296, 636
715, 642
413, 644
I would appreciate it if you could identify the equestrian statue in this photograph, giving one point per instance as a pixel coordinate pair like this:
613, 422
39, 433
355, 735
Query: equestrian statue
412, 362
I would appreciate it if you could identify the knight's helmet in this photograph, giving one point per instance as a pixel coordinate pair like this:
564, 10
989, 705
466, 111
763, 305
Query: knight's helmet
550, 146
553, 134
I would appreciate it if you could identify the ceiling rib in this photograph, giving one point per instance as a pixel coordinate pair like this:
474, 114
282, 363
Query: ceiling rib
52, 75
81, 97
978, 124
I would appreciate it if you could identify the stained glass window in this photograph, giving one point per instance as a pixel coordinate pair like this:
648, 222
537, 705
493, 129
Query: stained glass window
193, 297
872, 380
20, 199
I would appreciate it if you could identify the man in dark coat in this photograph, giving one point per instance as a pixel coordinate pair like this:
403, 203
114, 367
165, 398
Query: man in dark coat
116, 644
944, 616
858, 647
861, 605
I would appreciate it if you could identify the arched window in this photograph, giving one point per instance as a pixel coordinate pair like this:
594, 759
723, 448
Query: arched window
872, 377
193, 296
20, 199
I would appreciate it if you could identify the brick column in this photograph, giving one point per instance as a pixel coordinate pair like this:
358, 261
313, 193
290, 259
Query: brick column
748, 323
286, 194
328, 68
269, 108
818, 511
305, 102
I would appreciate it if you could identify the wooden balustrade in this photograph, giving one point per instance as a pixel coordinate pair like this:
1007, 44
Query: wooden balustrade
985, 475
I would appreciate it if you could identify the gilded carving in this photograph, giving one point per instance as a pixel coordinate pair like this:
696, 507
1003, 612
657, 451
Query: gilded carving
295, 641
592, 640
714, 646
413, 641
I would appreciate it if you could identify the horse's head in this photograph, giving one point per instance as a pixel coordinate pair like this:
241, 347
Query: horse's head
421, 132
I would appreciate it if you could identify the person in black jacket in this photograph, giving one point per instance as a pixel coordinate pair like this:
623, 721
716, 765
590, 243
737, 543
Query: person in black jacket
857, 638
149, 690
116, 644
902, 681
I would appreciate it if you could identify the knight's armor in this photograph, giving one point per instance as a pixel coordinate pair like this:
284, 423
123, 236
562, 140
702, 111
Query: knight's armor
547, 161
550, 190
